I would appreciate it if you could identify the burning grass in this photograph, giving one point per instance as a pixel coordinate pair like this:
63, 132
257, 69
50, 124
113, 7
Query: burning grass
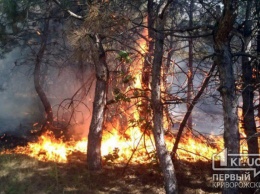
52, 165
134, 147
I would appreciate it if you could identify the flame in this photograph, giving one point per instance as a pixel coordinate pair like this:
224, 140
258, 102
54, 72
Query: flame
243, 140
133, 144
197, 147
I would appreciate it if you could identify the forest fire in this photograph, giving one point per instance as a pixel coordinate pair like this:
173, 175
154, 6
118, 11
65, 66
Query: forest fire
139, 147
135, 145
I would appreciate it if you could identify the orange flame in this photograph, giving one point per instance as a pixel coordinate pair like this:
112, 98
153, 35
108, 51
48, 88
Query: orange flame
134, 143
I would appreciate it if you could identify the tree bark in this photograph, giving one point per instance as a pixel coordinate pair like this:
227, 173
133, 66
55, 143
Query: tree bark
94, 161
227, 89
190, 67
157, 107
146, 70
37, 76
248, 88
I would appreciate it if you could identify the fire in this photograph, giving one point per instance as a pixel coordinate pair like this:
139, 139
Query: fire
197, 147
134, 144
243, 137
48, 148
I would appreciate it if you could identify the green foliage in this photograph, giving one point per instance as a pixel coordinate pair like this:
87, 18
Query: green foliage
128, 79
65, 3
141, 122
136, 93
16, 11
116, 91
10, 8
135, 122
18, 17
119, 96
124, 56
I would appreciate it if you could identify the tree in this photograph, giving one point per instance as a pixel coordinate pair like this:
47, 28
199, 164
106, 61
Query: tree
32, 26
157, 107
98, 55
94, 160
190, 66
248, 85
90, 35
227, 88
37, 75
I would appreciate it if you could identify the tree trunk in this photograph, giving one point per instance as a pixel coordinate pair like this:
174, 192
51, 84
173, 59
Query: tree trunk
145, 112
229, 98
94, 161
190, 67
37, 76
148, 56
227, 89
157, 107
248, 89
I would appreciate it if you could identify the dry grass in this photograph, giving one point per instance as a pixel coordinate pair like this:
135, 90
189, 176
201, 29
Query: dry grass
24, 175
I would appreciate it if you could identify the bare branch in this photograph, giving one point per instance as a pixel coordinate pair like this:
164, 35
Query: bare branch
71, 13
190, 108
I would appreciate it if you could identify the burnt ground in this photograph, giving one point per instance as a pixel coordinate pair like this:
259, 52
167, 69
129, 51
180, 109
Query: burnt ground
11, 141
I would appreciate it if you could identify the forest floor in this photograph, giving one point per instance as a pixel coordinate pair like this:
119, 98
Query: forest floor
25, 175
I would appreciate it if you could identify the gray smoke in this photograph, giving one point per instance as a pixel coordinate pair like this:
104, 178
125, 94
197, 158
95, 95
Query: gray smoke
20, 105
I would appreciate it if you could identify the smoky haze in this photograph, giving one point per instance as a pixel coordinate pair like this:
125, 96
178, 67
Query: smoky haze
21, 107
207, 115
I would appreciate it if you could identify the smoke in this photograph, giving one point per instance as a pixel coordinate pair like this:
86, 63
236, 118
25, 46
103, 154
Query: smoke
207, 114
21, 107
14, 89
71, 94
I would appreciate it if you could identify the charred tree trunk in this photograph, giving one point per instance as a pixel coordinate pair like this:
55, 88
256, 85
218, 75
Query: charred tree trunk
248, 88
145, 112
157, 107
96, 127
148, 56
227, 89
37, 78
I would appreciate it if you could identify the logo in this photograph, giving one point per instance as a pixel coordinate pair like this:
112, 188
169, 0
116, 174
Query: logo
236, 162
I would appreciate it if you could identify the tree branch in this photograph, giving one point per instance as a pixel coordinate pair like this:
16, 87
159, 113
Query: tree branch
71, 13
190, 108
163, 8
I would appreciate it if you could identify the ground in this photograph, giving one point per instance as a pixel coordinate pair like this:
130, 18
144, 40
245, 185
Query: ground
24, 175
